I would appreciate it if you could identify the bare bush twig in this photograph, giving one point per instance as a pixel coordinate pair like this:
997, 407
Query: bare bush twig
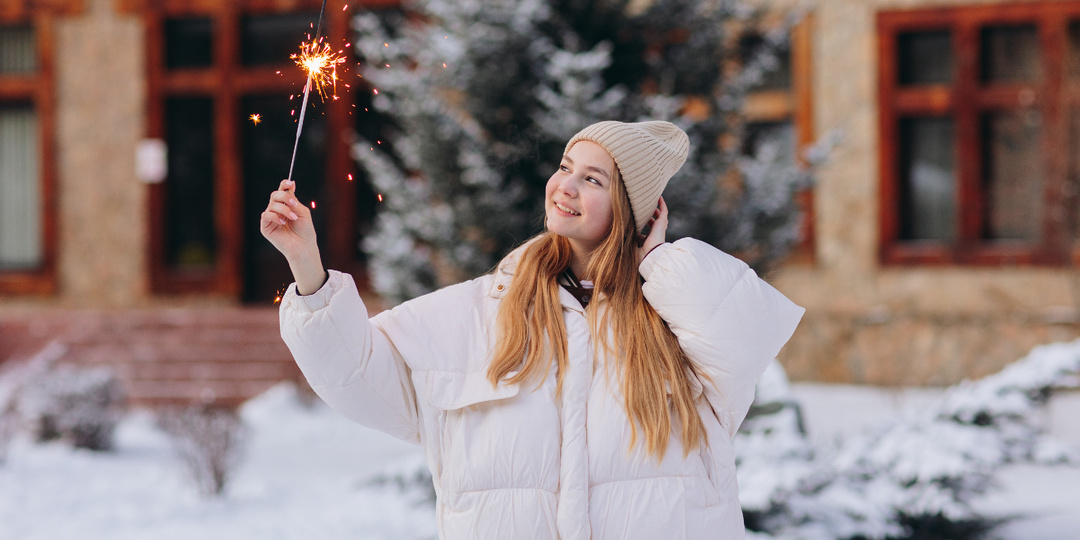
209, 440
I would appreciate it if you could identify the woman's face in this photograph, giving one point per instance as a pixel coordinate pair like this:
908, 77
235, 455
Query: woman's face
578, 196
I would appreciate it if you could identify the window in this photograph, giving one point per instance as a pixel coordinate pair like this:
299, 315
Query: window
27, 169
980, 129
779, 111
211, 66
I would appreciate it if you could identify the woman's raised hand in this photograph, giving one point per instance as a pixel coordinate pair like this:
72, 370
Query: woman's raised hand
287, 224
655, 231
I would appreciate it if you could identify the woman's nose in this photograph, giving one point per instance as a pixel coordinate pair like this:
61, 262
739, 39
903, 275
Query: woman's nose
568, 186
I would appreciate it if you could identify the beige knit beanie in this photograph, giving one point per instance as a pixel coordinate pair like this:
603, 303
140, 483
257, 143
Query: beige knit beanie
647, 154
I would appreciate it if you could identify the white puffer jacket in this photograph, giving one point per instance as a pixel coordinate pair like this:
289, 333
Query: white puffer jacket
517, 463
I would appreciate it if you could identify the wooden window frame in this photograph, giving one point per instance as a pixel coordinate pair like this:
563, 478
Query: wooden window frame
964, 101
227, 81
794, 105
39, 89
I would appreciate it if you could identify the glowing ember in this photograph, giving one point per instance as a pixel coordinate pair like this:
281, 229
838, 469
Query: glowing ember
256, 118
350, 178
380, 197
320, 62
312, 205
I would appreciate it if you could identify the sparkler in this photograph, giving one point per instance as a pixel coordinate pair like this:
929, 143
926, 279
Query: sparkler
320, 63
256, 118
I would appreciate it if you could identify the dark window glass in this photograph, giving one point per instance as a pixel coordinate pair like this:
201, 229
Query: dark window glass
189, 43
18, 50
1013, 175
925, 57
775, 75
190, 239
270, 39
1073, 56
1072, 184
1011, 54
776, 139
927, 179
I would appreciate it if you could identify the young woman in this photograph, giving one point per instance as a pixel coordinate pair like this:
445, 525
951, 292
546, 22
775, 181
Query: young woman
589, 387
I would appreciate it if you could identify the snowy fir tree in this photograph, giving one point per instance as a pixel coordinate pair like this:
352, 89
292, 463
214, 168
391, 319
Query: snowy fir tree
915, 478
479, 98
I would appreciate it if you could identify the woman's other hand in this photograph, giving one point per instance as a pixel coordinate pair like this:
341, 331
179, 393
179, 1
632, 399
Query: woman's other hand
287, 224
655, 231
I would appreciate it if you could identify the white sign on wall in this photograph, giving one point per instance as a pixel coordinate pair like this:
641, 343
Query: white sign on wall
151, 161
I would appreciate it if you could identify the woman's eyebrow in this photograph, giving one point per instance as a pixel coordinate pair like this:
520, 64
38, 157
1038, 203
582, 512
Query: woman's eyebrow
589, 167
599, 170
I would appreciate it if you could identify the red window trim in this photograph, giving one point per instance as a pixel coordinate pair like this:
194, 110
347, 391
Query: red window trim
965, 101
39, 89
227, 82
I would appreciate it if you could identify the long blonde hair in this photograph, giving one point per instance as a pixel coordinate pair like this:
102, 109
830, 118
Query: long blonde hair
531, 333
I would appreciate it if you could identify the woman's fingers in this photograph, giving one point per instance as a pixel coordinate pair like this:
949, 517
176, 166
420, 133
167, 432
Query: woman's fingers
270, 220
283, 210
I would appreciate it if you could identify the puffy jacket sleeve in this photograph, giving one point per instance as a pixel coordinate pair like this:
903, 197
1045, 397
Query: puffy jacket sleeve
729, 322
350, 363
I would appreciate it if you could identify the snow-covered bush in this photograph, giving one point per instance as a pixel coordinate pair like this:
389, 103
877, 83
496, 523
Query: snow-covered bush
209, 441
915, 477
410, 478
78, 404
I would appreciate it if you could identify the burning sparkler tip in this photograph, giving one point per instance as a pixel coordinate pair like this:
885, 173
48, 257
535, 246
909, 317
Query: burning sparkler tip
256, 118
320, 63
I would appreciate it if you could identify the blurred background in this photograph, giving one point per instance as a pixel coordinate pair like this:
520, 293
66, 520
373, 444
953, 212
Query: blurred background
907, 170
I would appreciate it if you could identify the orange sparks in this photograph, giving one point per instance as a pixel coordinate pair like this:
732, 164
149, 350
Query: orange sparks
312, 205
350, 178
320, 62
380, 197
256, 118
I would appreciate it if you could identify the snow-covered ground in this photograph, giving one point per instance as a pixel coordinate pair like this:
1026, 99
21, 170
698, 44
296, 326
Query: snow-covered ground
305, 474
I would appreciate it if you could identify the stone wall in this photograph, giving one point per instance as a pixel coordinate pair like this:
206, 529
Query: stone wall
864, 324
867, 323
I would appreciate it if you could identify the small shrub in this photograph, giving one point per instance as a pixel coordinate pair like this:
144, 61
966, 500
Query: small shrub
79, 404
410, 477
9, 422
209, 440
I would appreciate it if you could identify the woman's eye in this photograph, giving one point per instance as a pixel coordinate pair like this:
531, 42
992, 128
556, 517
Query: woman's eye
564, 168
593, 180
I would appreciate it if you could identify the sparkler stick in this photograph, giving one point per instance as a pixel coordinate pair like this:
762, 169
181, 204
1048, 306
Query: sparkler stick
307, 91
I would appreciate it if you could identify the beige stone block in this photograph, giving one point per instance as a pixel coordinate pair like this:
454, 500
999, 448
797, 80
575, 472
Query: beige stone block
100, 77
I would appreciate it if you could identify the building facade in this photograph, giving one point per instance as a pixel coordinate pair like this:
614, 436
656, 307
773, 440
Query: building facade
940, 235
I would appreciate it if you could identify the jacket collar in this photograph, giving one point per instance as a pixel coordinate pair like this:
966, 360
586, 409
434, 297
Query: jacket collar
504, 275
